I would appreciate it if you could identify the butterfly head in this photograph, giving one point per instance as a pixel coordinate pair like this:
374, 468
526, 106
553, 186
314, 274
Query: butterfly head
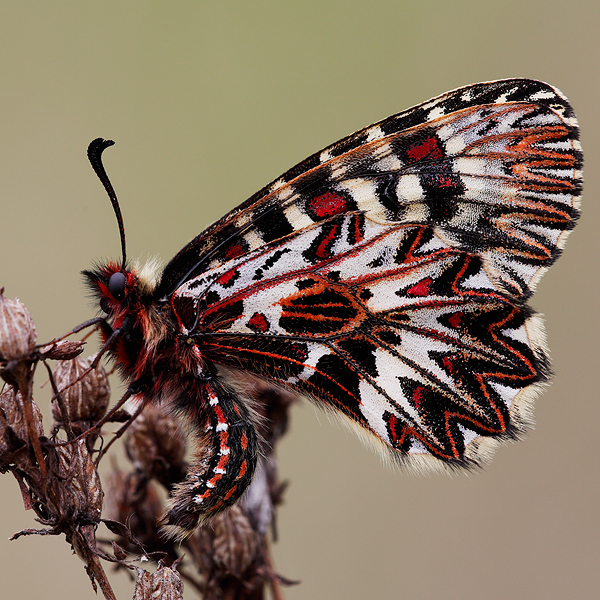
116, 289
131, 316
114, 285
120, 290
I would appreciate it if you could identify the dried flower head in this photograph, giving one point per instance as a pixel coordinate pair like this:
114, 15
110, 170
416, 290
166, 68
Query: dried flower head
87, 399
235, 543
17, 330
14, 432
75, 490
165, 583
155, 444
136, 502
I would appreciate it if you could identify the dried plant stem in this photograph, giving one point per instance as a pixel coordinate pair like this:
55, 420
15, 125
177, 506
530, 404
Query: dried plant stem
84, 543
29, 420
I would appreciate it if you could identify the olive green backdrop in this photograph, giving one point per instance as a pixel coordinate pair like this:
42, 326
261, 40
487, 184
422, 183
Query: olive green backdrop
209, 101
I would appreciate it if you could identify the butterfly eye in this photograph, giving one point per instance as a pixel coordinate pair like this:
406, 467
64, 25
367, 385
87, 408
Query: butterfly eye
116, 285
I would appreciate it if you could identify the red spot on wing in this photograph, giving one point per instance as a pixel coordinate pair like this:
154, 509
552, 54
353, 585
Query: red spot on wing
446, 182
236, 250
326, 205
456, 319
228, 278
323, 250
422, 288
398, 430
258, 323
356, 234
448, 363
243, 470
393, 421
427, 148
418, 395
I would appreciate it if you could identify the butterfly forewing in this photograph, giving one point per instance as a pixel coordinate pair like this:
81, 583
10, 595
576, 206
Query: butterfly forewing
385, 276
478, 161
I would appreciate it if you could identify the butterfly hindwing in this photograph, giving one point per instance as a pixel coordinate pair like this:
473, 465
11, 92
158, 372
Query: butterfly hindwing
399, 332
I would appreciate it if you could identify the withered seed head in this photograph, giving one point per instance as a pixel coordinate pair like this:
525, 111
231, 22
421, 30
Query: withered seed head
135, 501
87, 399
143, 585
62, 350
17, 330
15, 442
75, 484
11, 413
155, 442
235, 542
165, 583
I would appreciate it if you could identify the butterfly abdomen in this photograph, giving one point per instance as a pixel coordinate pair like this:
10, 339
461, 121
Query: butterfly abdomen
225, 462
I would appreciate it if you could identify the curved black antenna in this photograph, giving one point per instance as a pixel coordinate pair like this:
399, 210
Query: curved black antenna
94, 152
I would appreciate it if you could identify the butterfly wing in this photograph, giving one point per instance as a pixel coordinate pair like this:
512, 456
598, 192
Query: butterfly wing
386, 276
462, 153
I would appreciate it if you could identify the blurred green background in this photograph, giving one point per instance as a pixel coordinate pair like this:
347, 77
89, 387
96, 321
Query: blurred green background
209, 101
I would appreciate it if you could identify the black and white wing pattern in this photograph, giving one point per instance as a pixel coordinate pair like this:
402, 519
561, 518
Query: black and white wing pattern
386, 276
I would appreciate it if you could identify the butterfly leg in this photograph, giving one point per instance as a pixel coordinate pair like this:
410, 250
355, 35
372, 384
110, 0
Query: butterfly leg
225, 461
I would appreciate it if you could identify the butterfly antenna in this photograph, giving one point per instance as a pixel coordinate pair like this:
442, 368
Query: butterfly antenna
94, 152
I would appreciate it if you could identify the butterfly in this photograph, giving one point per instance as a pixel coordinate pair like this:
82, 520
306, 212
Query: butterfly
385, 277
